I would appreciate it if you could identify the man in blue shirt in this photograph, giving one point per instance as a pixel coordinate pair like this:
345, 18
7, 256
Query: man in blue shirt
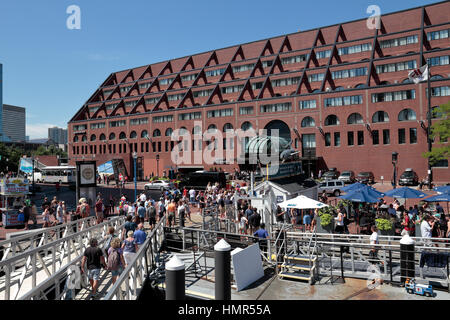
141, 211
139, 235
261, 232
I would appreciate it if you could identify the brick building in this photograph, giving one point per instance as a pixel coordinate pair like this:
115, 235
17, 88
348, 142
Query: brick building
340, 92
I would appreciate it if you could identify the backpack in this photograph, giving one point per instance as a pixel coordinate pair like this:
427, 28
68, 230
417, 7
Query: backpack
108, 243
113, 260
152, 212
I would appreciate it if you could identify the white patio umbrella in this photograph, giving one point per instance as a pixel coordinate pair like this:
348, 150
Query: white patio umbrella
302, 202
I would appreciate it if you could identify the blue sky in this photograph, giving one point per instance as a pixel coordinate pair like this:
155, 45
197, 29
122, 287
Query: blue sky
52, 70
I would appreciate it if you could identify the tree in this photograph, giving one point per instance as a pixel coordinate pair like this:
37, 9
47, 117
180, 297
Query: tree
440, 129
10, 157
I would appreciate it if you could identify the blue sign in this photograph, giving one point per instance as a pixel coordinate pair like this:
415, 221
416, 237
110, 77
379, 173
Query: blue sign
25, 166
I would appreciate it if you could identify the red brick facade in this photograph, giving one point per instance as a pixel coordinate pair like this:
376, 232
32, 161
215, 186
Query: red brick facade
258, 87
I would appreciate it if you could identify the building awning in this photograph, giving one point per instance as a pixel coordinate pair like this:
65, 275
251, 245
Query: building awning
262, 144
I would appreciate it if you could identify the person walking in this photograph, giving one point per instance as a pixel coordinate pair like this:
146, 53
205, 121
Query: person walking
171, 213
139, 235
142, 212
129, 247
116, 261
93, 259
99, 208
129, 226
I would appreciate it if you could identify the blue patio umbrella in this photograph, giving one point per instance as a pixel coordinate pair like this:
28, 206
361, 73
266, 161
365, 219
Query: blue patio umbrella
442, 189
445, 197
358, 186
360, 195
405, 193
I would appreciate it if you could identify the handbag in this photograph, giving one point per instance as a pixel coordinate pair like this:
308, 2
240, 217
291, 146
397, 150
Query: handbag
21, 217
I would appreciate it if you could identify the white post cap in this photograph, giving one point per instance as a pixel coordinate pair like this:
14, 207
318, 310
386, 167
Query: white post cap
406, 240
222, 245
175, 264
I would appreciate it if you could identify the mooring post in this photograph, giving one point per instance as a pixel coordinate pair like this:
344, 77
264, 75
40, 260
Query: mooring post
175, 279
222, 270
407, 264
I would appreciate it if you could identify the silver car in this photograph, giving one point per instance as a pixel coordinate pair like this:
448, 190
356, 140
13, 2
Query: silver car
347, 177
331, 187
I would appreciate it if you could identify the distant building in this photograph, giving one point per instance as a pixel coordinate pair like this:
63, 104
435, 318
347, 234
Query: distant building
13, 122
59, 135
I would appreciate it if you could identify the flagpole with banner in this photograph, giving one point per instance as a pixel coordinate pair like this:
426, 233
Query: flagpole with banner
417, 76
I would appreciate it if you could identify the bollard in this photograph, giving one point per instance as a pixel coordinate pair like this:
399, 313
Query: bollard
222, 256
175, 277
407, 265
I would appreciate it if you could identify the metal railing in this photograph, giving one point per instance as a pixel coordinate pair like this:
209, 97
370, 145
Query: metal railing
131, 281
46, 265
34, 239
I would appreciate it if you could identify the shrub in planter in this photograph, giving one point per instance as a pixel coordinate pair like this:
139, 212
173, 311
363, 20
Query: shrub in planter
384, 224
325, 219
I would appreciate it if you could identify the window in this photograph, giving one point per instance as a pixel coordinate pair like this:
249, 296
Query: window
138, 121
386, 137
110, 107
401, 136
75, 139
152, 100
130, 104
394, 96
219, 113
277, 107
144, 134
436, 35
350, 138
93, 137
360, 138
122, 136
342, 101
231, 89
227, 127
145, 85
133, 135
349, 73
316, 77
242, 68
398, 41
189, 77
355, 49
441, 164
407, 115
439, 91
245, 110
246, 126
308, 122
375, 137
331, 120
267, 63
257, 85
285, 82
412, 135
203, 93
189, 116
394, 67
166, 81
307, 104
439, 61
380, 116
118, 123
102, 137
355, 118
323, 54
168, 132
212, 128
125, 89
156, 133
337, 139
294, 59
197, 130
80, 127
159, 119
112, 136
214, 73
308, 141
175, 97
98, 125
327, 139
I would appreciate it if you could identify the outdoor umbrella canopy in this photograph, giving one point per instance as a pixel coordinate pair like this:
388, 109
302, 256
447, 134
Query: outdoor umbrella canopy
445, 197
361, 195
361, 186
405, 193
302, 202
442, 189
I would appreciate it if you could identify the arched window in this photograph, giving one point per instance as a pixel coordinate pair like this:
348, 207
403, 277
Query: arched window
102, 137
183, 131
384, 83
75, 139
144, 134
407, 80
212, 128
156, 133
122, 135
197, 130
227, 127
169, 132
308, 122
316, 90
355, 118
339, 89
360, 85
133, 135
331, 120
246, 126
407, 115
437, 77
93, 137
380, 116
84, 138
112, 136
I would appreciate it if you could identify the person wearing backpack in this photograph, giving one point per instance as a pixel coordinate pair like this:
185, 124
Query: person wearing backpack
116, 262
151, 214
109, 239
129, 226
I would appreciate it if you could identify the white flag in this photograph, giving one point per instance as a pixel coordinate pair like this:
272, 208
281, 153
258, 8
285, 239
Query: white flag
418, 75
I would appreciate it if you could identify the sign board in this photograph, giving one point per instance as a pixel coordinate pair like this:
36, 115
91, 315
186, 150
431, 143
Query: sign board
247, 266
14, 186
87, 173
9, 219
26, 165
280, 199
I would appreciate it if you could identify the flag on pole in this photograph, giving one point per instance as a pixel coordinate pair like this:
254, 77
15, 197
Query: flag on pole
419, 75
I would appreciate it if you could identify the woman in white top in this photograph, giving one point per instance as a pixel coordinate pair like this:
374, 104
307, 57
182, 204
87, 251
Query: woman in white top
242, 223
340, 222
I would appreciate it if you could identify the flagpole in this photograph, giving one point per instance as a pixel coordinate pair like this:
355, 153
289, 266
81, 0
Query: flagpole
430, 176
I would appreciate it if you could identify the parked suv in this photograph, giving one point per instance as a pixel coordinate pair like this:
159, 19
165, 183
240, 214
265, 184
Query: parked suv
332, 174
347, 177
409, 178
331, 187
365, 177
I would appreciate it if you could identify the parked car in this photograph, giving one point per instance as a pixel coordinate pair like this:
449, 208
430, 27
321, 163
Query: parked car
332, 174
331, 187
408, 178
161, 185
347, 177
365, 177
200, 179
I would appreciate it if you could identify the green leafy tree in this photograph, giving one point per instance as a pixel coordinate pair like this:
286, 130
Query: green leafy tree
440, 129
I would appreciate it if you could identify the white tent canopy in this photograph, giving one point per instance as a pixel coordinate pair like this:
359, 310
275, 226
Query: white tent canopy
302, 202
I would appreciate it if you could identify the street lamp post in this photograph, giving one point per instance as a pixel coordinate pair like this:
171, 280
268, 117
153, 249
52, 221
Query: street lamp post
135, 181
394, 163
157, 165
32, 172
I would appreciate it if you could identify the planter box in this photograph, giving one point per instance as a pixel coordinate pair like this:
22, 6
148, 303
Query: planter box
328, 229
